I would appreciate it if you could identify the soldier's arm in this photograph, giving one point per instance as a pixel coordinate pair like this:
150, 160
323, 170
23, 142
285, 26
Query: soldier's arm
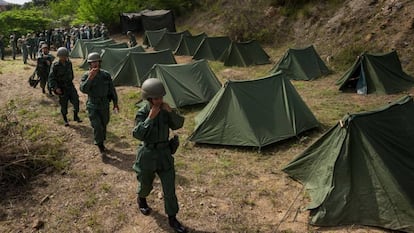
52, 79
113, 94
85, 83
143, 125
175, 120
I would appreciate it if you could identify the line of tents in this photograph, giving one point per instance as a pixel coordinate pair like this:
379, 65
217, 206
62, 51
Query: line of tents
360, 172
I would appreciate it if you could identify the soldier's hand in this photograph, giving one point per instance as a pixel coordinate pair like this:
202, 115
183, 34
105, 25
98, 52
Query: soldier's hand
92, 73
58, 91
166, 107
155, 110
116, 108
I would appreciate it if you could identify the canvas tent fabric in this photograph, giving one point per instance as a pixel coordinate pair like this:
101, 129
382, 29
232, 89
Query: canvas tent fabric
253, 113
245, 54
158, 19
131, 22
189, 44
187, 84
361, 172
132, 69
301, 64
212, 48
151, 38
376, 73
88, 45
112, 56
170, 40
99, 49
77, 50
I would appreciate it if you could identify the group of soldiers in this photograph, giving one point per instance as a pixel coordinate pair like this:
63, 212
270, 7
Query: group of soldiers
153, 121
30, 44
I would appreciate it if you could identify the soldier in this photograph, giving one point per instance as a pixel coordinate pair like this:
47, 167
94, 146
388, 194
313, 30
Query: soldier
61, 83
104, 33
40, 39
13, 46
97, 83
67, 40
31, 45
1, 47
44, 61
22, 43
132, 40
96, 31
152, 124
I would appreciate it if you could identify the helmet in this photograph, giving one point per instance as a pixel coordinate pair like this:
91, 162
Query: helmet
44, 45
29, 35
11, 37
94, 57
62, 52
152, 88
129, 33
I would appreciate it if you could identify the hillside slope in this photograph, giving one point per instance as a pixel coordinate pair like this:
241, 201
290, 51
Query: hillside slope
336, 30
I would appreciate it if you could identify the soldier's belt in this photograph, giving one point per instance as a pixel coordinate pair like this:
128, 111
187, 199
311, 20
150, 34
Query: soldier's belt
157, 145
98, 99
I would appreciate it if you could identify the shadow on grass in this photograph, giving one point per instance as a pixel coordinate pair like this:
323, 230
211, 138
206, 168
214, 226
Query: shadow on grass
162, 222
119, 159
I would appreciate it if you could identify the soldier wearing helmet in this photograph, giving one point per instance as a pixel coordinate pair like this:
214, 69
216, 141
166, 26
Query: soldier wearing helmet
97, 84
44, 62
132, 40
61, 83
152, 124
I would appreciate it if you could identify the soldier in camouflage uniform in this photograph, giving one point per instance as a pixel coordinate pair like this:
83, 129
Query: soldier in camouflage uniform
152, 124
31, 45
44, 61
97, 83
22, 43
61, 83
13, 46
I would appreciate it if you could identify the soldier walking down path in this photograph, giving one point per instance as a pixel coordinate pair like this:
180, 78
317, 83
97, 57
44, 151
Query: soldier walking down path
97, 84
61, 83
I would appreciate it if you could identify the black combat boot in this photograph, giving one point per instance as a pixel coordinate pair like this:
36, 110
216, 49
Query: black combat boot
143, 206
176, 225
76, 117
65, 119
102, 148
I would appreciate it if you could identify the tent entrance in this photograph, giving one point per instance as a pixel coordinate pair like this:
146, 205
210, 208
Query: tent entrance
356, 82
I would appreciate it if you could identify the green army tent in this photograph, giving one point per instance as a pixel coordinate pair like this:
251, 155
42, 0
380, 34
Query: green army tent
112, 56
376, 73
212, 48
189, 44
170, 40
99, 49
301, 64
158, 19
132, 69
245, 54
151, 38
253, 113
187, 84
77, 50
362, 170
88, 45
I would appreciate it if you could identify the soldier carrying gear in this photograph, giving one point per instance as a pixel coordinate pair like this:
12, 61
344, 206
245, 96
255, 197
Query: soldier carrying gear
61, 83
97, 84
153, 122
44, 62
